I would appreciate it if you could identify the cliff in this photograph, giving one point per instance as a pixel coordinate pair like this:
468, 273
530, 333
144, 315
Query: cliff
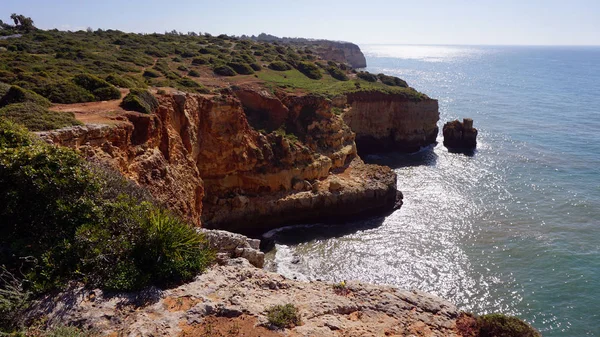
245, 160
343, 52
233, 300
391, 122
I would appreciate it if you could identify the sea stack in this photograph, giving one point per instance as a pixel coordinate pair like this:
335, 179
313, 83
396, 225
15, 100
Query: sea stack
460, 136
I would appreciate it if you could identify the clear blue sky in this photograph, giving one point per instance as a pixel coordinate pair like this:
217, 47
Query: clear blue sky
514, 22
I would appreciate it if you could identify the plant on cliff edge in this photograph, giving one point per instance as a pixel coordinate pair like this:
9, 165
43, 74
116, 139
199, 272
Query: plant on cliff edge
284, 316
140, 100
498, 325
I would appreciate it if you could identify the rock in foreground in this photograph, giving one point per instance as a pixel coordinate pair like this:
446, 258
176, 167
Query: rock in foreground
459, 135
226, 297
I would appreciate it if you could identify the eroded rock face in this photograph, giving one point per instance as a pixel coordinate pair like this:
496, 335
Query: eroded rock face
459, 135
387, 122
241, 292
209, 157
343, 52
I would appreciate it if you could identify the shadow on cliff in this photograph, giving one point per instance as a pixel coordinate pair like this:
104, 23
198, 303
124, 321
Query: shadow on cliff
426, 157
297, 234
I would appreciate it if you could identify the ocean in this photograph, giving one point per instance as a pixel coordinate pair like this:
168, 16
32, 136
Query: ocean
515, 228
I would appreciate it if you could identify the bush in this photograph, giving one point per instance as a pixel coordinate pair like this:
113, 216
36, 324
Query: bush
255, 66
498, 325
182, 68
367, 76
151, 73
224, 71
199, 61
13, 135
16, 94
37, 118
193, 73
140, 100
310, 70
101, 89
65, 92
120, 81
241, 68
279, 66
392, 81
188, 83
283, 316
13, 298
336, 73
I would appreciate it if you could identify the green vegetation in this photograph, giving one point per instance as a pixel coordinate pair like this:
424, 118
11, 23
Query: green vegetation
293, 80
96, 227
310, 70
337, 73
498, 325
194, 73
102, 90
279, 66
284, 316
392, 81
36, 117
16, 94
140, 100
367, 76
241, 68
224, 71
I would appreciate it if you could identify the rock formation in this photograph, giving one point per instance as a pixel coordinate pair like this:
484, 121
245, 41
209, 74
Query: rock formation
391, 122
343, 52
245, 160
238, 295
459, 135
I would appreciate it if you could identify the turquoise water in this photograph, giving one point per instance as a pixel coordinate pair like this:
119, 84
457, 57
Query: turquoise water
514, 228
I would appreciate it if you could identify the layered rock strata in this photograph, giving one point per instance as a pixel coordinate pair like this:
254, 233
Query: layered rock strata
239, 295
459, 135
245, 160
391, 122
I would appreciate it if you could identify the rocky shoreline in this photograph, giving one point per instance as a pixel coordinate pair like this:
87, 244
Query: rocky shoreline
236, 293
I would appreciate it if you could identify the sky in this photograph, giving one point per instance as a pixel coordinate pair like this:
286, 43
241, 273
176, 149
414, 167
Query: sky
453, 22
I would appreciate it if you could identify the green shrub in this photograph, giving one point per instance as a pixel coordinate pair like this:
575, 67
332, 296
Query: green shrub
151, 73
284, 316
101, 89
188, 83
193, 73
392, 81
13, 135
182, 68
16, 94
279, 66
199, 61
70, 331
224, 71
498, 325
310, 70
120, 81
336, 73
255, 66
13, 299
367, 76
65, 92
37, 118
241, 68
140, 100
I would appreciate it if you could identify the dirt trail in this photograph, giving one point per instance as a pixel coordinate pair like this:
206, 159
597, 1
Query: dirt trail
94, 112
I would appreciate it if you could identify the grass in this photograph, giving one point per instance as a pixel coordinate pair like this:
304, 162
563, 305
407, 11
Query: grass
284, 316
293, 80
37, 118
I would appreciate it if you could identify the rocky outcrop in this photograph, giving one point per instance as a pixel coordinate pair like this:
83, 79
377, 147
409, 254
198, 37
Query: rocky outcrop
245, 160
460, 136
343, 52
226, 296
229, 246
391, 122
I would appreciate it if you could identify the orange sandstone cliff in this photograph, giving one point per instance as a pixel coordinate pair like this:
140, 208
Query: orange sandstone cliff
245, 160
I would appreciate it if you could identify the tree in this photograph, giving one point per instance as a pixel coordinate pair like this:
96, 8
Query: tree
22, 22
